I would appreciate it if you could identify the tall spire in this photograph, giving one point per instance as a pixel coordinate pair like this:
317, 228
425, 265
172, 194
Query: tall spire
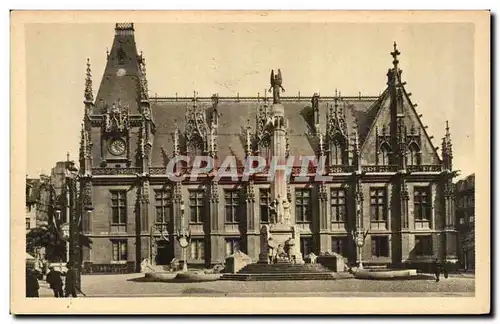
143, 78
88, 94
447, 149
85, 144
122, 75
176, 141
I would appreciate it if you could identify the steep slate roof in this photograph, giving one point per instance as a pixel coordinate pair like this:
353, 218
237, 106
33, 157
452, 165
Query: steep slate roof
234, 114
120, 80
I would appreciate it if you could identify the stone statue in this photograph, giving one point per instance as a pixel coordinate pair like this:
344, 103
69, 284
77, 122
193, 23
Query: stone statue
286, 211
275, 211
276, 81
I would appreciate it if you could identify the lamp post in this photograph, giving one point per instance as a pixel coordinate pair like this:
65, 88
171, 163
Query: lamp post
65, 234
76, 208
359, 234
184, 238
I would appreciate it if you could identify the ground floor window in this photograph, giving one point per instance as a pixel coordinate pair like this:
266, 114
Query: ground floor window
197, 248
339, 245
306, 245
232, 245
119, 250
380, 246
423, 245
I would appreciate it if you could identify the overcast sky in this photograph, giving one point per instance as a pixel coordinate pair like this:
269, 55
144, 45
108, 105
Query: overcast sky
437, 62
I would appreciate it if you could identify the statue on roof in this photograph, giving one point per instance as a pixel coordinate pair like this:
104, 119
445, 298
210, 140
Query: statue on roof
276, 81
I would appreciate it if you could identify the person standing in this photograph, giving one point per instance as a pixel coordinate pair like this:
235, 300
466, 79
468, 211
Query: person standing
55, 281
32, 285
437, 269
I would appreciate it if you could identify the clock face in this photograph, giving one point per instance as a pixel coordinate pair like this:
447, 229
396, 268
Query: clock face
121, 72
117, 146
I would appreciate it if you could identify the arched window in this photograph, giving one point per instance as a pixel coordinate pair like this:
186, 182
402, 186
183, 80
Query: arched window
337, 151
195, 148
383, 158
413, 154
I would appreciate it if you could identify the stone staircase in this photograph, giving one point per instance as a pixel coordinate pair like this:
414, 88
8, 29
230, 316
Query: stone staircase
284, 271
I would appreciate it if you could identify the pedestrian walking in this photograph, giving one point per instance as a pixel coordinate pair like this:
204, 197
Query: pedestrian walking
437, 269
55, 281
445, 270
32, 285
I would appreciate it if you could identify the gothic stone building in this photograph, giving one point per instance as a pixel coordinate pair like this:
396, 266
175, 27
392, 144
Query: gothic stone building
465, 218
387, 177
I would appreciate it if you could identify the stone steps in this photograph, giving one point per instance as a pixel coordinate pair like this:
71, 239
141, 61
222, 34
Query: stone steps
284, 272
278, 276
270, 269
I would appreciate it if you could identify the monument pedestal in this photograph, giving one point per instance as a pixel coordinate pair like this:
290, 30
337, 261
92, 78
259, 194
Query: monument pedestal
276, 239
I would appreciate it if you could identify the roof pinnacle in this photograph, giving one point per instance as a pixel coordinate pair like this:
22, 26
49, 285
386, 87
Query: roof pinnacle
88, 94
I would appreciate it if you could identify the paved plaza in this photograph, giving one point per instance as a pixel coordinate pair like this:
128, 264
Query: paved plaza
133, 285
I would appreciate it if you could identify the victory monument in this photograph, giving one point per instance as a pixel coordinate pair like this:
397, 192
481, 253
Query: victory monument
280, 240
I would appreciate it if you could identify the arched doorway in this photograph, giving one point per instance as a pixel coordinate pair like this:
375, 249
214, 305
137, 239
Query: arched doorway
164, 252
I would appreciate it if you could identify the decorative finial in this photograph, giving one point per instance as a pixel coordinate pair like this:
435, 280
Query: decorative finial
88, 94
395, 55
67, 156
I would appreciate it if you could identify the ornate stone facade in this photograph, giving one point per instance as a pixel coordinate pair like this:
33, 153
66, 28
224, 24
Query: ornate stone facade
386, 174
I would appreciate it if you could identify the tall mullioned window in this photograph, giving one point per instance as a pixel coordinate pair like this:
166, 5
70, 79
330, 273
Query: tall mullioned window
383, 157
423, 245
339, 245
265, 201
337, 153
422, 203
337, 204
380, 246
197, 248
119, 250
232, 204
232, 245
303, 205
377, 205
413, 155
196, 202
119, 207
163, 204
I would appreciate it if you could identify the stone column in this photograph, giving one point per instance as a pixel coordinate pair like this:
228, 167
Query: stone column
177, 217
215, 225
324, 224
278, 145
252, 233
